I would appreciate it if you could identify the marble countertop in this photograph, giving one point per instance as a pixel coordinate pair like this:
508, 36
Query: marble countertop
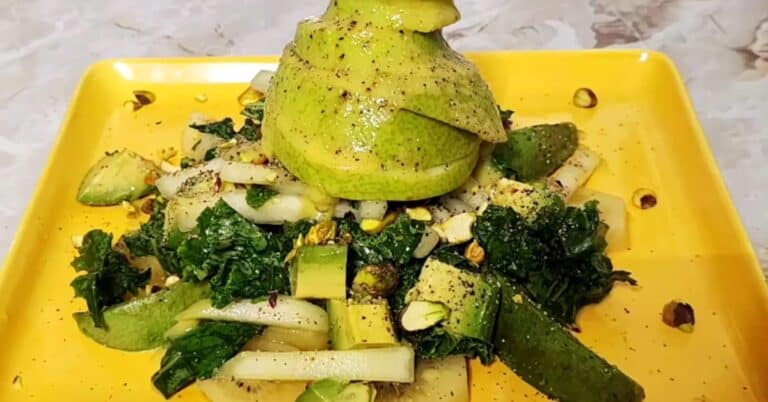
721, 48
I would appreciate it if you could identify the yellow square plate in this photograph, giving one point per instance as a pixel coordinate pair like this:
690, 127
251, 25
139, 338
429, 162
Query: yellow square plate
691, 246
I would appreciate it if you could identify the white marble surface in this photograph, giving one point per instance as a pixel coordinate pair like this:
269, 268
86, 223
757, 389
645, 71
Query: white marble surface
720, 46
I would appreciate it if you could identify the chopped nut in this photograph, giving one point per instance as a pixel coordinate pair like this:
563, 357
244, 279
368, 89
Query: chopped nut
419, 214
168, 153
151, 178
148, 206
373, 226
321, 233
202, 98
17, 382
585, 98
77, 241
644, 198
458, 228
680, 315
171, 280
517, 298
475, 253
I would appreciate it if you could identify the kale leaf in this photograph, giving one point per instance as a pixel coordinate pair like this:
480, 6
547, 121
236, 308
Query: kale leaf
237, 257
200, 352
108, 275
254, 110
559, 259
437, 343
150, 240
211, 154
257, 196
250, 130
394, 244
223, 129
452, 255
407, 275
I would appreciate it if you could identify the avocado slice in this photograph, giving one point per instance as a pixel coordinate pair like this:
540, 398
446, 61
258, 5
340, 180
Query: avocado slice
548, 357
473, 299
141, 324
534, 152
387, 111
320, 272
360, 326
334, 390
119, 176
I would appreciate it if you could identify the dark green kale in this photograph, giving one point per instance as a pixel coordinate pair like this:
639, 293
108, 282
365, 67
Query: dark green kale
453, 255
199, 353
257, 196
187, 162
254, 111
238, 258
223, 129
108, 277
437, 343
558, 259
211, 154
408, 275
250, 130
150, 240
395, 244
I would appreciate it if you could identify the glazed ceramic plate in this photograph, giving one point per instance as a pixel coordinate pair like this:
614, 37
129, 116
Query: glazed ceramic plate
691, 246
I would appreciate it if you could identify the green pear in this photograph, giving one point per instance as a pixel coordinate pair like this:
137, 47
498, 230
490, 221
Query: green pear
370, 102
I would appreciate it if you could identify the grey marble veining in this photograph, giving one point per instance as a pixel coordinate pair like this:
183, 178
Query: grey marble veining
721, 48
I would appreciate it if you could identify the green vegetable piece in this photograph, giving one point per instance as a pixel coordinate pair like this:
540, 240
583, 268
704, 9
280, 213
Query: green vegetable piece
257, 196
119, 176
254, 110
108, 277
537, 151
395, 244
151, 240
141, 324
239, 259
548, 357
360, 326
320, 272
558, 258
199, 353
333, 390
211, 154
375, 280
223, 129
472, 298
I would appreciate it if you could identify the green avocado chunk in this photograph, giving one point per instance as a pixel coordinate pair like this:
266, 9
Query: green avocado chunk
534, 152
141, 324
387, 111
548, 357
333, 390
117, 177
472, 298
320, 272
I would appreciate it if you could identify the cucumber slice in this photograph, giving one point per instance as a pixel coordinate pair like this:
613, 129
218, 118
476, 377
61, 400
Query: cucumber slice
394, 364
286, 312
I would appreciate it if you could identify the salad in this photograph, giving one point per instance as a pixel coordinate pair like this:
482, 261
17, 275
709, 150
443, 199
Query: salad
370, 222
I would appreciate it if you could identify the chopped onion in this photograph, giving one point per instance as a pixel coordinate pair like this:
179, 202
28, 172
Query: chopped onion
372, 209
429, 241
169, 185
276, 211
585, 98
247, 173
574, 172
